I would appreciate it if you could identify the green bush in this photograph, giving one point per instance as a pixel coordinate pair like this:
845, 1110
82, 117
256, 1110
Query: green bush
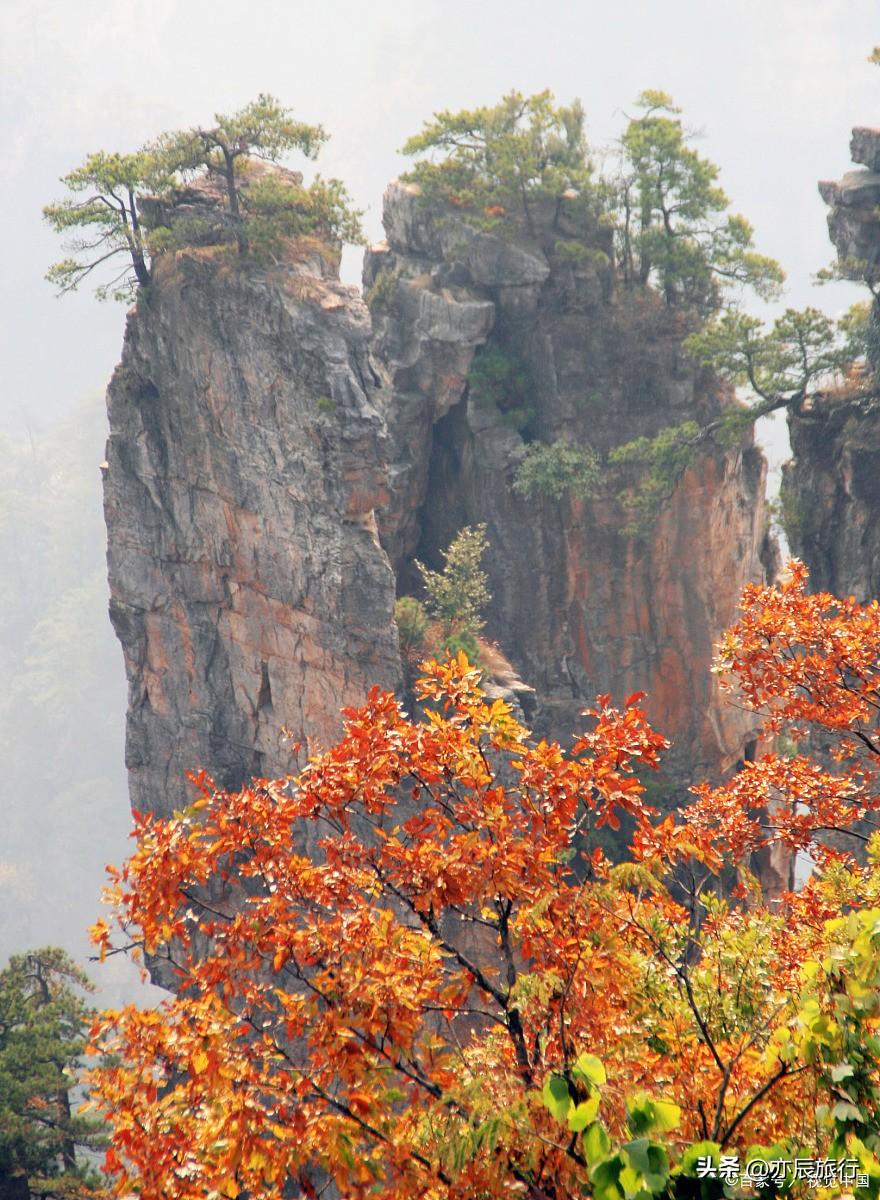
499, 376
412, 624
570, 250
503, 161
554, 469
662, 460
383, 292
463, 640
457, 595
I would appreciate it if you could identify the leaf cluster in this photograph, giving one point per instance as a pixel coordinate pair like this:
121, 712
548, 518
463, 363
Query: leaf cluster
440, 1002
802, 358
557, 469
500, 376
458, 594
502, 160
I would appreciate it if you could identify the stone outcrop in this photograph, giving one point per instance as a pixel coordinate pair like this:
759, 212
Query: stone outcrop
278, 457
579, 605
853, 222
831, 488
832, 498
245, 462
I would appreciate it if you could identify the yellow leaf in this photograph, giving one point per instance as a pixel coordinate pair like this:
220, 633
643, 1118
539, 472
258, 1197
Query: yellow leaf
200, 1064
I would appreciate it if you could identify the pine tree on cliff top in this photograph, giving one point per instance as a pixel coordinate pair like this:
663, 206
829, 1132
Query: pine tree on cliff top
103, 215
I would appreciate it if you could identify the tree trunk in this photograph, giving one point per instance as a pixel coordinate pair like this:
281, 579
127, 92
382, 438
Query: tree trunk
234, 209
141, 270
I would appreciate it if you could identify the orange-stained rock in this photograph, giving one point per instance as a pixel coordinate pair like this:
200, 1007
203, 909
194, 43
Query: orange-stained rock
580, 606
245, 460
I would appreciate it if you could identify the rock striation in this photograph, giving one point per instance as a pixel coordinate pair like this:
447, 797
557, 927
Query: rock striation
580, 606
246, 459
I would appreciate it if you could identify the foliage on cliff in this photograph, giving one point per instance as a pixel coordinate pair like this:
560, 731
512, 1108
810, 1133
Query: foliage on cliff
802, 358
107, 216
525, 155
43, 1025
503, 158
673, 221
461, 996
451, 616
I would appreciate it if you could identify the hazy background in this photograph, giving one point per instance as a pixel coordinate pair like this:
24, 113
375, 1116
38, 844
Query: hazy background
774, 85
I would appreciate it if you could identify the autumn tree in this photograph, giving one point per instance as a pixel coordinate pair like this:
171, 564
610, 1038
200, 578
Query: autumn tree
502, 160
43, 1023
458, 995
674, 223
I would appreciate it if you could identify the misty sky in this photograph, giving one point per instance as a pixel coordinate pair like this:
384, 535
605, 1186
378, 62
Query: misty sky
775, 86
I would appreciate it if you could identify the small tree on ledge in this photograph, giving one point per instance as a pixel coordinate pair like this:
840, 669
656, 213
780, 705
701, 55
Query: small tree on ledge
260, 211
262, 129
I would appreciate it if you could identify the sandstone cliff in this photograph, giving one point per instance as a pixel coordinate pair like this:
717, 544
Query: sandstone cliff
580, 606
245, 461
266, 433
832, 486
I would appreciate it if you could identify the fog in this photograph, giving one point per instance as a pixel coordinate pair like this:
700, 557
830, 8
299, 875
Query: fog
773, 87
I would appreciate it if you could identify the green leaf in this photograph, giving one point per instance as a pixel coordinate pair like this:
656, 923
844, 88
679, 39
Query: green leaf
583, 1114
605, 1176
698, 1150
596, 1143
649, 1161
646, 1114
667, 1115
589, 1068
556, 1097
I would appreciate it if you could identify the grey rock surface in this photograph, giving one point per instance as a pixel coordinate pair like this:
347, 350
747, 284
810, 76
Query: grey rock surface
579, 606
245, 461
864, 147
832, 485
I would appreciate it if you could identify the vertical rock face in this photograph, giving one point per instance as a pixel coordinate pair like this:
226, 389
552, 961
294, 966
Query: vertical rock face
245, 461
265, 434
832, 486
580, 606
832, 498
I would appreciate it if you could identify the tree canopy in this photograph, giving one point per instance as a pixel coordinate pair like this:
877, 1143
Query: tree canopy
674, 224
43, 1023
262, 129
503, 158
458, 995
259, 211
802, 358
107, 190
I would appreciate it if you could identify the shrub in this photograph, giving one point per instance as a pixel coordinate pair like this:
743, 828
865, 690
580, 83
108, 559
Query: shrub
554, 469
412, 624
457, 595
383, 291
463, 640
499, 376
